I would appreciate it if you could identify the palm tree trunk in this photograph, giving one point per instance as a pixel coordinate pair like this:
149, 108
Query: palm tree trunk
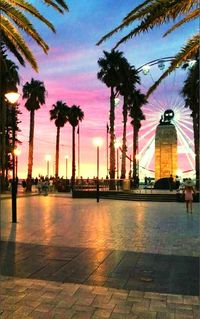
3, 145
73, 158
112, 138
135, 149
30, 154
124, 148
196, 147
57, 152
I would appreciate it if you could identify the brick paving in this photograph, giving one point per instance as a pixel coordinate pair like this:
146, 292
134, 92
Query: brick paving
109, 236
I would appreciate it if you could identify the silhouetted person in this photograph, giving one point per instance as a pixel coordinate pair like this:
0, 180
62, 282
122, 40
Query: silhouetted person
171, 181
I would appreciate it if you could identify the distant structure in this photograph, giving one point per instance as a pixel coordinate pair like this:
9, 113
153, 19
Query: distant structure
166, 158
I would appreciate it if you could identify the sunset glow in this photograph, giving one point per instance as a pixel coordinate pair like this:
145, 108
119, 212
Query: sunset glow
69, 73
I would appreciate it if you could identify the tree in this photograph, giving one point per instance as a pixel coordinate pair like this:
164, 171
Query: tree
190, 92
9, 79
15, 21
137, 100
34, 92
59, 113
110, 74
75, 115
152, 13
129, 79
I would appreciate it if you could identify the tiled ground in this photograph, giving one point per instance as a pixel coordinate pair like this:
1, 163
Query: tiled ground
109, 227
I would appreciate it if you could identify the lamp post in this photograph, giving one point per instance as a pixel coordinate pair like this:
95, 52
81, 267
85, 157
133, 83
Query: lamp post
66, 165
12, 98
48, 158
98, 142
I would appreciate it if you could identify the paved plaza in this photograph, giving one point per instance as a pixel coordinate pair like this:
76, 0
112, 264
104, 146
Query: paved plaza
75, 258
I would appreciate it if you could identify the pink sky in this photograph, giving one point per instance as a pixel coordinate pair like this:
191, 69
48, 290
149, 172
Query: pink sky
69, 73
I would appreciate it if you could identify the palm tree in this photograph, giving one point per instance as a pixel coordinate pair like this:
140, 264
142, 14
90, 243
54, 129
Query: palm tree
75, 115
59, 113
190, 92
34, 92
9, 79
110, 73
153, 13
137, 100
129, 79
15, 21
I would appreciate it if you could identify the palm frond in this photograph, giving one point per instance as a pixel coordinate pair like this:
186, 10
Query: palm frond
12, 49
193, 15
11, 33
26, 7
59, 5
187, 52
23, 23
151, 13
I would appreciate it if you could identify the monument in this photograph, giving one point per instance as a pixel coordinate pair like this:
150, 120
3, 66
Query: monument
166, 157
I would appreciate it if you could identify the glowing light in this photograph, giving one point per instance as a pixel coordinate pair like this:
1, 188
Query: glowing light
117, 144
17, 151
47, 157
146, 68
12, 97
117, 101
191, 64
98, 141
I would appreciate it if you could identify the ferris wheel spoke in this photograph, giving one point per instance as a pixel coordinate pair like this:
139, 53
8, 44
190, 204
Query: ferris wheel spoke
186, 127
148, 156
147, 145
188, 152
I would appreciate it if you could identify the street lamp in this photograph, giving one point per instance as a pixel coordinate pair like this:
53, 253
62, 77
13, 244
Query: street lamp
98, 142
12, 98
48, 158
66, 164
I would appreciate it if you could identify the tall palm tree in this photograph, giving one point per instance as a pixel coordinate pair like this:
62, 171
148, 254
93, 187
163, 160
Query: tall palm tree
137, 100
75, 115
129, 80
34, 92
190, 92
110, 73
59, 113
9, 79
152, 13
15, 21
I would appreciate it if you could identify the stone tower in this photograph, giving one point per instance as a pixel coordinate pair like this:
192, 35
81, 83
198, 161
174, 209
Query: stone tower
166, 158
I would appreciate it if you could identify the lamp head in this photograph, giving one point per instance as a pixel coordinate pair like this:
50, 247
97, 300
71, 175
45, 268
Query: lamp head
97, 141
12, 97
47, 157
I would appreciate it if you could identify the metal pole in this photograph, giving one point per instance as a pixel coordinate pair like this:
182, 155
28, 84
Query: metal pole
107, 132
14, 190
97, 174
47, 168
16, 166
78, 151
66, 168
117, 163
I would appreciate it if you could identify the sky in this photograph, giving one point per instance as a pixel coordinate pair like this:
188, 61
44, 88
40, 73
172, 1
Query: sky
69, 73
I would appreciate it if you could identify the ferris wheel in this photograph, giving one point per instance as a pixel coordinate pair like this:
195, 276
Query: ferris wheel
166, 96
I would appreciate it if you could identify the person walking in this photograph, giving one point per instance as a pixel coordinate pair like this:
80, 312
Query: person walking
171, 183
189, 191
